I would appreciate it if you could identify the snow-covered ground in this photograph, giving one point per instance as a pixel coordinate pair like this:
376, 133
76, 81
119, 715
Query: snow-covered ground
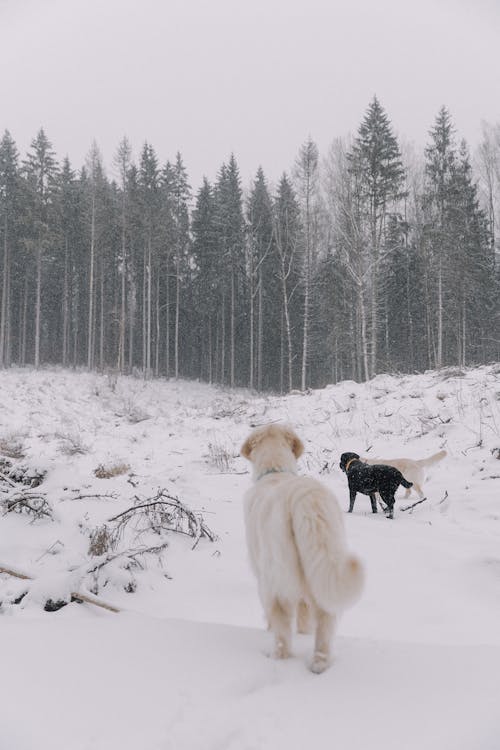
184, 665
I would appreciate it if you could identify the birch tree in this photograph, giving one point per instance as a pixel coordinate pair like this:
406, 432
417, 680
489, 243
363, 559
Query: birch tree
306, 177
287, 238
123, 163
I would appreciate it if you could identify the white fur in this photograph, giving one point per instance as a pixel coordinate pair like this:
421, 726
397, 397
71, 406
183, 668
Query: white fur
412, 470
296, 543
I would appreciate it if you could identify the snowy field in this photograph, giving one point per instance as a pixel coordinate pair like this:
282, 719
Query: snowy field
183, 666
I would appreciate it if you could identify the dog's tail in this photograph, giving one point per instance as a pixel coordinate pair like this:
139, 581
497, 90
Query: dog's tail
334, 577
432, 459
405, 482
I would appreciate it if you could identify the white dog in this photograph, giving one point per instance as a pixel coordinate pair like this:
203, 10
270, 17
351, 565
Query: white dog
412, 470
296, 542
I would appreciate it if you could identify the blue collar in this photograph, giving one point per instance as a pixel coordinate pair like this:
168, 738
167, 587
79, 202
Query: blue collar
274, 471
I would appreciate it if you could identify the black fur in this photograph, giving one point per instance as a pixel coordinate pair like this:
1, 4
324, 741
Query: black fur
371, 479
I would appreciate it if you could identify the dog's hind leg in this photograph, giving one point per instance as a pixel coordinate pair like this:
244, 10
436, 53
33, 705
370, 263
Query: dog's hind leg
325, 626
303, 617
280, 621
418, 490
388, 499
373, 500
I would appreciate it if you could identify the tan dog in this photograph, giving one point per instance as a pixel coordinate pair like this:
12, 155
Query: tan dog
412, 470
296, 543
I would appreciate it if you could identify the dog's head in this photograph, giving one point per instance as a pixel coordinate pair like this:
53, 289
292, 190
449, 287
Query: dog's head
275, 444
345, 458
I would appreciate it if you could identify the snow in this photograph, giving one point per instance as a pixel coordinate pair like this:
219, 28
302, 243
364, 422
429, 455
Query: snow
184, 665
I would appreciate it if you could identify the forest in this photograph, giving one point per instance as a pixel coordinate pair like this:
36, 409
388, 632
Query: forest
371, 258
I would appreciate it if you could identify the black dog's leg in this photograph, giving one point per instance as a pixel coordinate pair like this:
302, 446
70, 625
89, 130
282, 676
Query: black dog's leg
352, 498
389, 501
373, 500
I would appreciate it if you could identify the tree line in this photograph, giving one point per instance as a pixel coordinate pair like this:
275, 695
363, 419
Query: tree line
371, 259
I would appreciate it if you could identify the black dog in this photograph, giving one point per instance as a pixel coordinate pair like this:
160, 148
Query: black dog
371, 479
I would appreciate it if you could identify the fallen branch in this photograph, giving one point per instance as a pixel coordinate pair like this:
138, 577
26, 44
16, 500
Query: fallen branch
75, 595
7, 479
409, 507
35, 504
129, 554
163, 512
111, 495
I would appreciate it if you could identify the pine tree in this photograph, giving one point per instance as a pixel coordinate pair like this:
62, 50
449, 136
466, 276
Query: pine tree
68, 228
377, 167
259, 248
440, 166
207, 279
181, 195
40, 169
9, 208
231, 241
473, 289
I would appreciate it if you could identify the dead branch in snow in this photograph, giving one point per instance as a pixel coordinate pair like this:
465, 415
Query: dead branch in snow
7, 479
132, 555
413, 505
107, 495
444, 497
34, 504
75, 595
161, 513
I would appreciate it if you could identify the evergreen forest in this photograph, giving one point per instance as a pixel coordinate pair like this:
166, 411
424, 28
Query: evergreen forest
369, 258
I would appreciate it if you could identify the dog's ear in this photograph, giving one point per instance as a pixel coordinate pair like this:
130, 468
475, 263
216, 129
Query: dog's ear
294, 442
247, 447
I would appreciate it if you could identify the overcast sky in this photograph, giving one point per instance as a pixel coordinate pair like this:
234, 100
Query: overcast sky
211, 77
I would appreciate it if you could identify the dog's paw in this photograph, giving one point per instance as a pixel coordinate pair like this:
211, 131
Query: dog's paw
281, 651
319, 663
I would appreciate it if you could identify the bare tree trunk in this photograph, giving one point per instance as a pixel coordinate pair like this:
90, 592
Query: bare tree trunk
223, 340
38, 303
260, 331
157, 320
210, 375
24, 323
364, 340
149, 301
232, 330
90, 351
167, 325
144, 311
177, 309
282, 351
65, 306
76, 329
439, 357
252, 324
5, 302
131, 321
101, 321
123, 305
307, 281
